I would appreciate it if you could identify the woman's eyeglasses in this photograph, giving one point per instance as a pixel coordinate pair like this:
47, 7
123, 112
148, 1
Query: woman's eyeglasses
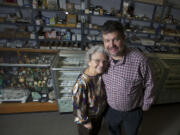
97, 61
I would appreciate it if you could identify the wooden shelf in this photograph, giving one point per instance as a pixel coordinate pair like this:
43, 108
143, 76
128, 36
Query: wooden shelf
27, 107
28, 50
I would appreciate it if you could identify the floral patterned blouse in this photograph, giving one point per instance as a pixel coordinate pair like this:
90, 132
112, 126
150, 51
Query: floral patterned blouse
89, 98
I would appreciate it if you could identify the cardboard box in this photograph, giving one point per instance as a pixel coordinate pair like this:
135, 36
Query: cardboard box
71, 19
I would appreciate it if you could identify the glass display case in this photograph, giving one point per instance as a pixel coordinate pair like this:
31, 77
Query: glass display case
25, 76
65, 70
167, 77
170, 92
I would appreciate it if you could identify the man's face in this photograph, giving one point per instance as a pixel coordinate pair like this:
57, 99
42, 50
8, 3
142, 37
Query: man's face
113, 44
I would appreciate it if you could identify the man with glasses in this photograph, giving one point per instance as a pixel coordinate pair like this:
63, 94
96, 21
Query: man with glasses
128, 82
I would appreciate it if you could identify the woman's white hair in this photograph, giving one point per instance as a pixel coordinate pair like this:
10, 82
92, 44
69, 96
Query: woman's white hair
92, 50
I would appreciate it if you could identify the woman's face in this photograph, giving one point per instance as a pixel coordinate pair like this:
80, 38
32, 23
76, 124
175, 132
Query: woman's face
98, 62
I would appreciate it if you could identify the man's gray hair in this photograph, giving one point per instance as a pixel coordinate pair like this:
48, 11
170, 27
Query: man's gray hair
94, 49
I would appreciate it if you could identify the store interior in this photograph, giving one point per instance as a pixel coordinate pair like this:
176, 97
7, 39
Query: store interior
42, 48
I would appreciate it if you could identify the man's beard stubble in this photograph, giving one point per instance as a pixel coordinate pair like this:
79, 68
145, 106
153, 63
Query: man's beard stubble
122, 50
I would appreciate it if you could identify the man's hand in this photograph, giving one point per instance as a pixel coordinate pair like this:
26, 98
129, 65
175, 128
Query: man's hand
88, 125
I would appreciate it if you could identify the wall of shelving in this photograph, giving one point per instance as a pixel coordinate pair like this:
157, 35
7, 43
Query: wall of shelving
40, 30
148, 26
151, 28
40, 26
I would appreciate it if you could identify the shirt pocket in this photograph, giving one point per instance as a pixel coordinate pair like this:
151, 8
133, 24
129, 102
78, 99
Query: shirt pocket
133, 86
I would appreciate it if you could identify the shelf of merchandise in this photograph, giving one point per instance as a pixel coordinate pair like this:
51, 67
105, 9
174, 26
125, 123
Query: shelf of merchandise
28, 50
17, 107
14, 6
35, 26
82, 13
16, 24
151, 21
36, 106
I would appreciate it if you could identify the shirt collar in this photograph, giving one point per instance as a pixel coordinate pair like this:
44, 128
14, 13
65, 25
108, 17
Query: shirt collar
122, 61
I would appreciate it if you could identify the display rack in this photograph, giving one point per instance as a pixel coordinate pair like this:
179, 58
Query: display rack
169, 91
151, 39
39, 28
19, 74
65, 70
147, 33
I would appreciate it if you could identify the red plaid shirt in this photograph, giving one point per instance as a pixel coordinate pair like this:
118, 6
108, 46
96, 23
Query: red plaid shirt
129, 82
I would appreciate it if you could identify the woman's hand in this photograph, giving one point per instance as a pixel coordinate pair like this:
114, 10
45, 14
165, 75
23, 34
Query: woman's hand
88, 125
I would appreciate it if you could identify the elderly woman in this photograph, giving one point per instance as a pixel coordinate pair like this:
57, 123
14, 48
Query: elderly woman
89, 98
